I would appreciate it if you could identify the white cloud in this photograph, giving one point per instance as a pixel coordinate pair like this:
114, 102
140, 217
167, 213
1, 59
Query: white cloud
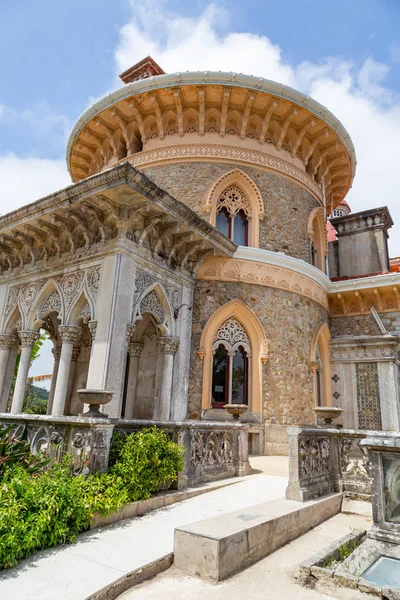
40, 120
356, 95
26, 179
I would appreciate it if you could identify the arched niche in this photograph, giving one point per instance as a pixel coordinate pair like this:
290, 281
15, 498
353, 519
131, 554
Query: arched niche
81, 311
49, 300
154, 300
321, 366
258, 350
246, 185
316, 230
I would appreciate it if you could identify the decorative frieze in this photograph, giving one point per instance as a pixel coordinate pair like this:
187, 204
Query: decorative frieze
361, 349
257, 273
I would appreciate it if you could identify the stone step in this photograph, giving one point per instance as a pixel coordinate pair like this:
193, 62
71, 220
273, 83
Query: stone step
219, 547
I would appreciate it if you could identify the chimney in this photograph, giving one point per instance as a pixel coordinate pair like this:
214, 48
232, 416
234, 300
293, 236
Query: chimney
143, 69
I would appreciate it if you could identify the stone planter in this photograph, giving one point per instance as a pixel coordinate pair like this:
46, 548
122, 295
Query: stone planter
95, 398
236, 410
328, 413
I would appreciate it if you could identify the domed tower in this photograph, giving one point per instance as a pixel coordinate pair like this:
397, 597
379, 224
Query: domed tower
260, 162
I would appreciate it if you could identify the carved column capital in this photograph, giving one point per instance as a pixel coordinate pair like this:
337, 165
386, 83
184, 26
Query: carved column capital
169, 345
69, 334
56, 352
28, 338
313, 366
75, 353
130, 332
7, 341
135, 348
92, 326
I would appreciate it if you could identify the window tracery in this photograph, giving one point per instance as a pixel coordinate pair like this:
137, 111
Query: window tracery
233, 213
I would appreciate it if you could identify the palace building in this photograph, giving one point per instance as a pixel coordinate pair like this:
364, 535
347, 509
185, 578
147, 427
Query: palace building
205, 255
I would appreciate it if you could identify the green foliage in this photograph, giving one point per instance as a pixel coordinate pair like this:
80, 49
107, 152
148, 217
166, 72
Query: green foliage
42, 510
340, 554
15, 451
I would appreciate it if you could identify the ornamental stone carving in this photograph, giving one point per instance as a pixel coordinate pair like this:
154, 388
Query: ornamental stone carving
93, 280
212, 448
135, 349
28, 338
92, 326
152, 304
234, 201
7, 341
231, 334
130, 332
85, 312
75, 353
52, 304
69, 334
12, 300
314, 457
56, 352
169, 345
28, 295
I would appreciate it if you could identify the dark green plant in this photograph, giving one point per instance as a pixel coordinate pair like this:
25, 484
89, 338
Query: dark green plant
44, 509
16, 451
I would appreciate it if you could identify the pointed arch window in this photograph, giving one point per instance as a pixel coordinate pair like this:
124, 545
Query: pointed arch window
233, 215
230, 375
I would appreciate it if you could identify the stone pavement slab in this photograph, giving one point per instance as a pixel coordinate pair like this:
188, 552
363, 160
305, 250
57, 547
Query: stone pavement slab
101, 556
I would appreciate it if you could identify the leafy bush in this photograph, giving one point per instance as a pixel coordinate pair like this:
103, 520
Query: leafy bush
15, 451
42, 510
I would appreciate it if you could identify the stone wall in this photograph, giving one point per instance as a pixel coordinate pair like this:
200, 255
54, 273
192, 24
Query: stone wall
289, 322
357, 325
287, 205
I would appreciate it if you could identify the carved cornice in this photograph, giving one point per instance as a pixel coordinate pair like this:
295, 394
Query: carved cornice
268, 275
228, 105
364, 349
227, 153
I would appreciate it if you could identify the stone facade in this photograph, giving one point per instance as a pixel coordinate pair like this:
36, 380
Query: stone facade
289, 322
287, 206
357, 325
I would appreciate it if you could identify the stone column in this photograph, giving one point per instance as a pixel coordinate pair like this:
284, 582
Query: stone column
56, 352
169, 345
113, 311
7, 341
135, 350
9, 376
69, 336
28, 338
180, 382
75, 354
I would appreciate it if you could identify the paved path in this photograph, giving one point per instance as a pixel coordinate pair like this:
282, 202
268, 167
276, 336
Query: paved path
100, 557
271, 577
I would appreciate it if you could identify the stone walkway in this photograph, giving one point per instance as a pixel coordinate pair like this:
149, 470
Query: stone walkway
101, 556
271, 577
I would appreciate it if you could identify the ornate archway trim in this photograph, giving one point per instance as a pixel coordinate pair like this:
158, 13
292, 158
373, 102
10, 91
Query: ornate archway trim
258, 343
317, 213
240, 179
321, 338
226, 153
218, 268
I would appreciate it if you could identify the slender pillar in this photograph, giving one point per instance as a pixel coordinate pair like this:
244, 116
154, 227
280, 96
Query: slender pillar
169, 346
28, 338
75, 354
56, 352
135, 350
69, 336
7, 342
9, 376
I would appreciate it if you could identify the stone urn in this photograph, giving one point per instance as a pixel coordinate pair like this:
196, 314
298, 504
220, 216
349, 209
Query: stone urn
95, 399
328, 413
236, 410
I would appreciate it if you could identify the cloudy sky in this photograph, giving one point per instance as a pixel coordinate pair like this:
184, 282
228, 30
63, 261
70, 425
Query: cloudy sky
58, 57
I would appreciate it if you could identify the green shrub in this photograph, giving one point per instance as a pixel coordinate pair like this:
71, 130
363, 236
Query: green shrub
42, 510
16, 451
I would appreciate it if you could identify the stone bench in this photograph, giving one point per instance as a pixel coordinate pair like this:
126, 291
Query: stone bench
217, 548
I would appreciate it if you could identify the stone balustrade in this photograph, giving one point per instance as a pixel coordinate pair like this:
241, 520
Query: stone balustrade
212, 450
323, 461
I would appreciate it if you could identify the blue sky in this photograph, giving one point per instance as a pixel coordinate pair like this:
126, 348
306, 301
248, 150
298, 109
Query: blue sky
58, 57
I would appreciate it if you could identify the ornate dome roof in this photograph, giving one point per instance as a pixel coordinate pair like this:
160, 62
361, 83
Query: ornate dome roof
271, 121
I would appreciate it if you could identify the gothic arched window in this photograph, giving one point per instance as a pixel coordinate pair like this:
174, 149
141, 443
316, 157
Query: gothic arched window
231, 352
233, 215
